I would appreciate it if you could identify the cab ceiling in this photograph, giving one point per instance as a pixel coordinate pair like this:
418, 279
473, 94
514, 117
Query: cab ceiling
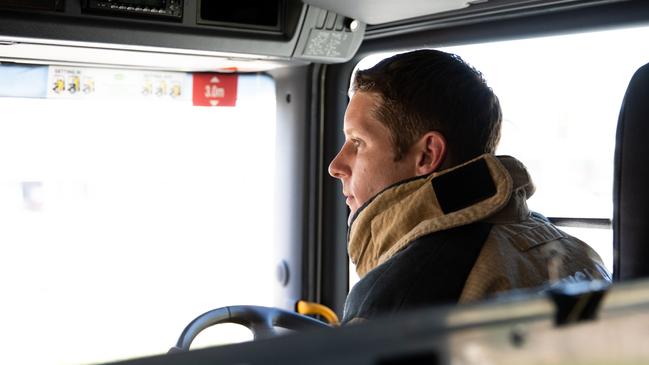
385, 11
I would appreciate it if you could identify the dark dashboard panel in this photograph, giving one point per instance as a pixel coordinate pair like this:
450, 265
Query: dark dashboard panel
517, 328
33, 4
267, 15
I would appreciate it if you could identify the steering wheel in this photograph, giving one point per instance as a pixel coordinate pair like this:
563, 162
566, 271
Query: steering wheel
260, 320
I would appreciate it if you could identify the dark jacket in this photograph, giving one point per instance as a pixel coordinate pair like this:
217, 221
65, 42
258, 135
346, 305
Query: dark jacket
459, 235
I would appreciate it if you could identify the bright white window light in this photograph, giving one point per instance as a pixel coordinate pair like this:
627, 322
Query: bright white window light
122, 221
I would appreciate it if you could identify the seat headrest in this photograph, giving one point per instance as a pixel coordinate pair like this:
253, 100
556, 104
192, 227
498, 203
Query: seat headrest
631, 182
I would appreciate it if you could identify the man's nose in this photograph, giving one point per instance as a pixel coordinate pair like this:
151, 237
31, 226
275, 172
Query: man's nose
337, 167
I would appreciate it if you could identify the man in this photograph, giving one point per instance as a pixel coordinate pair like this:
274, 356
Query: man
435, 216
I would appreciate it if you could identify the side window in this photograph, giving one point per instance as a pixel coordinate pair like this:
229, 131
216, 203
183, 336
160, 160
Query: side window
127, 210
561, 97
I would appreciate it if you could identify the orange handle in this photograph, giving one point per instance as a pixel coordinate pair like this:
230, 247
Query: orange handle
304, 307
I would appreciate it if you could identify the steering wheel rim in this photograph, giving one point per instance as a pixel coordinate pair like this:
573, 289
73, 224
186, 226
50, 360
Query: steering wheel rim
260, 320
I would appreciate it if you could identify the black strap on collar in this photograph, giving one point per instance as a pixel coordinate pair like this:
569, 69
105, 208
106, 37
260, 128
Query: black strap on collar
464, 187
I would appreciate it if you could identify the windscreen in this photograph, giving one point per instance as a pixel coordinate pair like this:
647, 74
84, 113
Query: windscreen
130, 202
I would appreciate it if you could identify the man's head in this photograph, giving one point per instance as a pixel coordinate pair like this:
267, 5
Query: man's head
410, 115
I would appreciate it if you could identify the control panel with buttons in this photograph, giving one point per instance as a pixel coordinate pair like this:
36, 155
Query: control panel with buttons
170, 9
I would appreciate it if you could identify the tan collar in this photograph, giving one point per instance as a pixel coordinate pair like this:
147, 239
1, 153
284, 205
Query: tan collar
417, 207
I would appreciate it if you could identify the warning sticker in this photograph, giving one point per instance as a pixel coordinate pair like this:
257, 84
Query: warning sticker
69, 82
214, 89
79, 82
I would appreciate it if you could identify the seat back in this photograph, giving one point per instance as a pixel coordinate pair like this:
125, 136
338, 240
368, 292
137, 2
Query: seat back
631, 183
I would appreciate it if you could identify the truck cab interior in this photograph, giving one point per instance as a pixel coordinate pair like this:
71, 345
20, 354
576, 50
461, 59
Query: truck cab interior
164, 158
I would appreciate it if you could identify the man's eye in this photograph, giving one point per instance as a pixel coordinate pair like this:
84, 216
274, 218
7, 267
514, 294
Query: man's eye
356, 142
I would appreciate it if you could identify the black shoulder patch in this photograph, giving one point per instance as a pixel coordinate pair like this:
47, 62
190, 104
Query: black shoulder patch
464, 186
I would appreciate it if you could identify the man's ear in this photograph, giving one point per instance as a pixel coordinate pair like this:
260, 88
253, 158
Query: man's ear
431, 151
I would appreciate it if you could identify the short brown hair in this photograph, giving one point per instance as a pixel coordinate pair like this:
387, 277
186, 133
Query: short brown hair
429, 90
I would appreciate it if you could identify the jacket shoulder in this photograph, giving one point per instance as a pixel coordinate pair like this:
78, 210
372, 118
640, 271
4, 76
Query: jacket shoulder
527, 254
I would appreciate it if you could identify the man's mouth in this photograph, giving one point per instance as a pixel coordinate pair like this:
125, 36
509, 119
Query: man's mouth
348, 199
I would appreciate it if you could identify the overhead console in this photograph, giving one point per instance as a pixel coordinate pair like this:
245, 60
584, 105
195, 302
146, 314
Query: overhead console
277, 32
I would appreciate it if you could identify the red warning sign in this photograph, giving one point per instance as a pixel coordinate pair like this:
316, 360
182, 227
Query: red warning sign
214, 89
